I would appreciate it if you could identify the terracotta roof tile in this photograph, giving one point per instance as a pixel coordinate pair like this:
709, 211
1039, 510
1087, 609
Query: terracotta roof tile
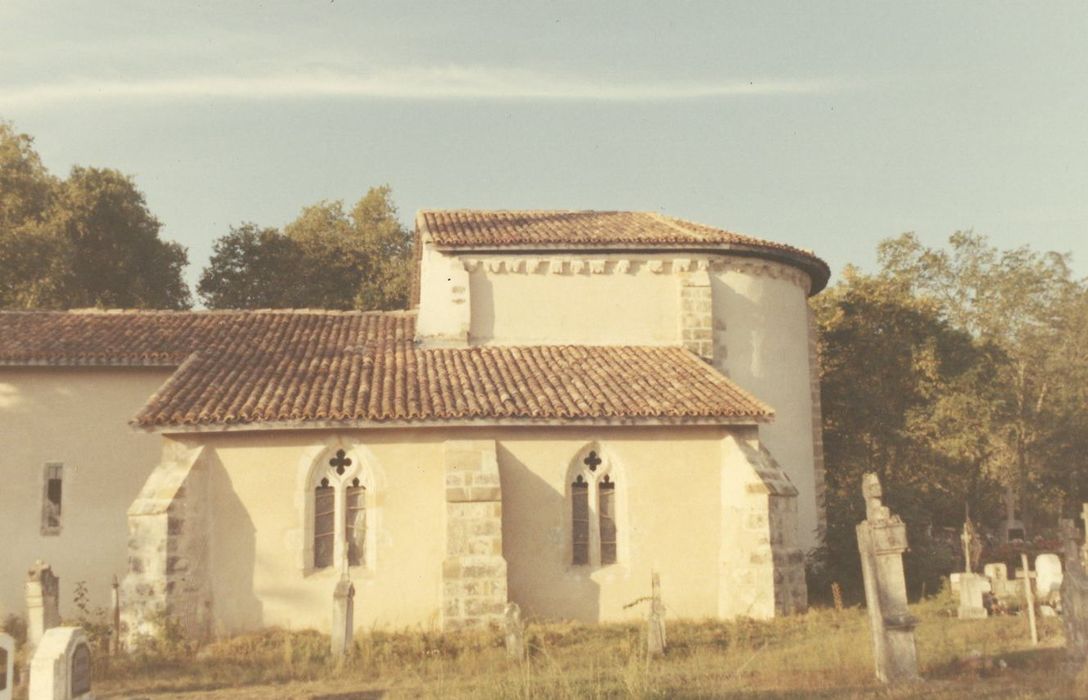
471, 229
237, 368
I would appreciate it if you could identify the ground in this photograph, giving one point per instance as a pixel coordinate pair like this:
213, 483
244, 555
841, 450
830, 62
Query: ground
822, 654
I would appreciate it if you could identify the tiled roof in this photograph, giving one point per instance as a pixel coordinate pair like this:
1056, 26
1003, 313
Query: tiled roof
270, 367
481, 229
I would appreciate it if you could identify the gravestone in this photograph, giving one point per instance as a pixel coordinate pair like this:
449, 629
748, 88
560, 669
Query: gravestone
61, 667
1014, 527
973, 590
515, 632
655, 623
1048, 577
343, 613
882, 539
998, 574
1074, 593
7, 665
1025, 574
42, 601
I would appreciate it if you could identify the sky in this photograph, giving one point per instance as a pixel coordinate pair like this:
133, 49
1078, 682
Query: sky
830, 126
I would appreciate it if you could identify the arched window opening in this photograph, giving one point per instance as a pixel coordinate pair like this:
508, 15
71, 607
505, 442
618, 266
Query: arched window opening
324, 524
339, 513
594, 522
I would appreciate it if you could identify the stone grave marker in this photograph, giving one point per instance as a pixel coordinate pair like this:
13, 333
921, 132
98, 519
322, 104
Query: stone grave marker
882, 539
973, 587
1048, 577
42, 601
343, 613
61, 667
1026, 575
655, 629
515, 632
7, 666
1074, 593
999, 580
1014, 527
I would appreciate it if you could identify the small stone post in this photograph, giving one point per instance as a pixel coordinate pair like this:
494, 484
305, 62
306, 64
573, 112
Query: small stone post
115, 609
882, 539
515, 632
343, 613
1029, 596
656, 642
1074, 596
42, 601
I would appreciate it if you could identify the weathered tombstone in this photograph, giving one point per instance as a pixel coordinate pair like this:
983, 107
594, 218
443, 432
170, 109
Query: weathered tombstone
954, 582
515, 632
1014, 527
1074, 596
999, 579
882, 539
7, 665
42, 601
1048, 576
61, 667
343, 613
655, 624
973, 587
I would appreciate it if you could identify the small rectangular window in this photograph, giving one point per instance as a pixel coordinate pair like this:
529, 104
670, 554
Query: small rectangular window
580, 522
51, 498
607, 500
324, 525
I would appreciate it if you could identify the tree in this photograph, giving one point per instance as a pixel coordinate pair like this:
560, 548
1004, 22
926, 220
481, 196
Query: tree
904, 395
85, 241
325, 258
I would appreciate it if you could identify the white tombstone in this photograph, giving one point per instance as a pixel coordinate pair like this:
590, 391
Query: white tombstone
972, 590
999, 579
7, 665
61, 667
954, 581
1048, 576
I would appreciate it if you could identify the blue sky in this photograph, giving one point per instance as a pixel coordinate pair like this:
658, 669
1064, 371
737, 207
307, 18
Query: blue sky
825, 125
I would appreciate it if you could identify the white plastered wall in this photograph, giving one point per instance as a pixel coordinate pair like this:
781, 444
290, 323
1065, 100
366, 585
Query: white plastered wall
78, 417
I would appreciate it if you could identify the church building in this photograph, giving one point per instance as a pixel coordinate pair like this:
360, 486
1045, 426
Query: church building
575, 400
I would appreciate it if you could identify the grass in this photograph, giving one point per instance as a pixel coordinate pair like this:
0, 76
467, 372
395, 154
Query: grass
821, 654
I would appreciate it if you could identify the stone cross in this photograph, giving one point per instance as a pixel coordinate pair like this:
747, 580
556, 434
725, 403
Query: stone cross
1026, 574
61, 667
42, 601
343, 613
7, 666
515, 632
971, 545
1074, 596
1013, 528
656, 642
882, 539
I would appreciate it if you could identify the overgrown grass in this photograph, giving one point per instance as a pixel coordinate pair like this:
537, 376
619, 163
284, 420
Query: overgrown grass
823, 653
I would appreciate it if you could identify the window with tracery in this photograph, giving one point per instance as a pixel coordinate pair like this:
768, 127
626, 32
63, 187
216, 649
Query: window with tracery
339, 513
594, 528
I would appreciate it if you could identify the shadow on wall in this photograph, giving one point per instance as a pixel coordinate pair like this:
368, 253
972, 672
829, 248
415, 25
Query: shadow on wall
233, 541
539, 575
740, 361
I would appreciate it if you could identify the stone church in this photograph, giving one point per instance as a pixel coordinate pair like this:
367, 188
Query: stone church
574, 400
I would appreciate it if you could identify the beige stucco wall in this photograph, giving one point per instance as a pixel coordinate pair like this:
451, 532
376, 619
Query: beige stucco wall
669, 490
78, 417
759, 325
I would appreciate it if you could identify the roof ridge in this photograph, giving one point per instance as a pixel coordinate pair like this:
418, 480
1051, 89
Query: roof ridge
92, 311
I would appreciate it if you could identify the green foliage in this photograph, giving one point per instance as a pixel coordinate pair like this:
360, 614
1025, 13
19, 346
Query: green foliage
94, 621
89, 240
326, 258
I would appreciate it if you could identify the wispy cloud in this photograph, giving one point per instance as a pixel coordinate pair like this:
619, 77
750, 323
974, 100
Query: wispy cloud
448, 83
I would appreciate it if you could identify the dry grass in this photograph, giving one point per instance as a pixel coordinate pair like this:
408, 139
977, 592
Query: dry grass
822, 654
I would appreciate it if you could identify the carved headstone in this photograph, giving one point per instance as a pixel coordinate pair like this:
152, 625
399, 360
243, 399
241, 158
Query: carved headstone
42, 601
656, 642
7, 666
1074, 593
973, 588
61, 667
343, 613
999, 579
515, 632
1048, 577
882, 539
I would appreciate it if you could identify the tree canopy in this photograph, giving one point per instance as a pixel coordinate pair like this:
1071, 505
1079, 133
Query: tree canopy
88, 240
325, 258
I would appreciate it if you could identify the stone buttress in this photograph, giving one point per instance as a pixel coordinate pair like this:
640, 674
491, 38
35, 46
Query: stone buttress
474, 570
168, 549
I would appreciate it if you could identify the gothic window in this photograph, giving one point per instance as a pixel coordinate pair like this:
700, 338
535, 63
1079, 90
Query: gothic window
594, 529
51, 498
339, 512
